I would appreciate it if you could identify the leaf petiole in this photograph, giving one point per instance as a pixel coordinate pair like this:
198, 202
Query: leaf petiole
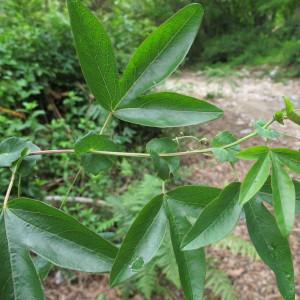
11, 183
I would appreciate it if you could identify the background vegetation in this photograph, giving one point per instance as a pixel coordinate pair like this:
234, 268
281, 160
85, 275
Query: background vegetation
43, 94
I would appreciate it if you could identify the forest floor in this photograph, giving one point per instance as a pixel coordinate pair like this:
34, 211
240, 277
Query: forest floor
246, 96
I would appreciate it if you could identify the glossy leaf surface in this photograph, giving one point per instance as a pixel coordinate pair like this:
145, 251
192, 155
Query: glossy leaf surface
42, 266
289, 157
161, 53
272, 247
283, 192
16, 262
167, 109
141, 242
195, 196
265, 194
95, 54
29, 225
255, 178
253, 153
216, 220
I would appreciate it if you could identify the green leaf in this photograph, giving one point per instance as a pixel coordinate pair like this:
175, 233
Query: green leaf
279, 117
253, 153
191, 264
167, 109
216, 220
164, 166
161, 53
11, 150
95, 163
297, 192
194, 196
29, 162
42, 266
229, 154
283, 196
32, 226
272, 247
94, 142
18, 277
183, 204
95, 53
266, 133
141, 242
290, 158
265, 194
255, 178
290, 111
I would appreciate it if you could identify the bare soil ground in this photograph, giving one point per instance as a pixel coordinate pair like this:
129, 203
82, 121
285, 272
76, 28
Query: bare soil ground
245, 97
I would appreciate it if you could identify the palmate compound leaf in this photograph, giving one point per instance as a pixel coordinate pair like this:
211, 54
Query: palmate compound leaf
141, 242
216, 220
168, 109
164, 166
157, 57
182, 204
31, 226
272, 246
95, 163
95, 53
284, 197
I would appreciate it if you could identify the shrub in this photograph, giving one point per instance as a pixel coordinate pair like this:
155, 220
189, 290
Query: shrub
195, 216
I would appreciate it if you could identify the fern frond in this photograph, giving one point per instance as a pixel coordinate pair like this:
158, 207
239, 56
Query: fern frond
166, 261
220, 284
147, 280
106, 224
238, 246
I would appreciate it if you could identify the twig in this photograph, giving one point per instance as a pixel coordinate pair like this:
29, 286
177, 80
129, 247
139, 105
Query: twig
147, 155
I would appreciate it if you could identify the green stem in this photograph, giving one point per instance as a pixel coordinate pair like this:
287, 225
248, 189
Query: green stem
108, 119
147, 155
19, 186
163, 187
11, 183
69, 189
